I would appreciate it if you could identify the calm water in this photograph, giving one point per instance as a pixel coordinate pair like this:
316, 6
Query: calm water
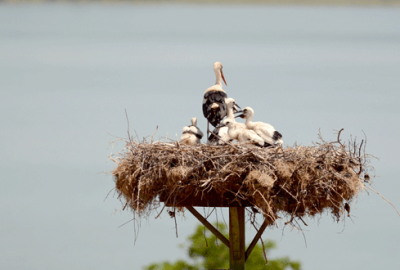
68, 72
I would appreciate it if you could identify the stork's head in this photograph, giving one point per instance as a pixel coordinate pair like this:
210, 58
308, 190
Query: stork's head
226, 123
230, 103
217, 65
218, 69
246, 112
194, 121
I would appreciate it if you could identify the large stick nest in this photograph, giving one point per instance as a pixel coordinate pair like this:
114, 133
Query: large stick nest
295, 181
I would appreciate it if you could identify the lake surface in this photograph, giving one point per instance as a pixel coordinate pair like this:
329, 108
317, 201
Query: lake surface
69, 71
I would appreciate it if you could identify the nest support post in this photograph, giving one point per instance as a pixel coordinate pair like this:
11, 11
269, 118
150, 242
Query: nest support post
236, 243
237, 256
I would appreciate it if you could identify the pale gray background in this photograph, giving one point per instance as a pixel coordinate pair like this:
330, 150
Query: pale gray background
68, 72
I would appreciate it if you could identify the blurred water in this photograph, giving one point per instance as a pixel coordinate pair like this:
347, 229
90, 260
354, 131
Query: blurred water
68, 72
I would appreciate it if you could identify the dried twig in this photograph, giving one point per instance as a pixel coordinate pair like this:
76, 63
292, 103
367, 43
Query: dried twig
370, 188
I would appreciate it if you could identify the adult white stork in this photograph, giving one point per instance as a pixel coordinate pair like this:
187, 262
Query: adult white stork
191, 135
214, 108
264, 130
220, 134
243, 135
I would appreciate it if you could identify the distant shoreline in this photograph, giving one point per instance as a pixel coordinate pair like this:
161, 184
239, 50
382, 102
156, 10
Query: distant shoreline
222, 2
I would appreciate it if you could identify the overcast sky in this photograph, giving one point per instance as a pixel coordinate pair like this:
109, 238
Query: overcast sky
68, 72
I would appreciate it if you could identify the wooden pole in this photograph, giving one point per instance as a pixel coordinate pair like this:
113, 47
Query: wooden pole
236, 238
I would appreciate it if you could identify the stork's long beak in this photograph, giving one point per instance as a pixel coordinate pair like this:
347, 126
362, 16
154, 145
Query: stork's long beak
221, 125
236, 106
240, 115
222, 75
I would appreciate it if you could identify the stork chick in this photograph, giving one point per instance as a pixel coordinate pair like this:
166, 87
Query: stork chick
267, 132
191, 135
243, 135
220, 134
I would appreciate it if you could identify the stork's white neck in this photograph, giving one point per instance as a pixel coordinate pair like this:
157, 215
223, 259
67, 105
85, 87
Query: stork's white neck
229, 111
194, 121
232, 132
249, 119
218, 76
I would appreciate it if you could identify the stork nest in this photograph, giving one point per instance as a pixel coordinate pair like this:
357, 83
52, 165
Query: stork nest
294, 181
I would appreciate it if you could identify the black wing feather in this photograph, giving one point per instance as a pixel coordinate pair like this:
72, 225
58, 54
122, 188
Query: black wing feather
276, 136
213, 138
214, 116
194, 133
